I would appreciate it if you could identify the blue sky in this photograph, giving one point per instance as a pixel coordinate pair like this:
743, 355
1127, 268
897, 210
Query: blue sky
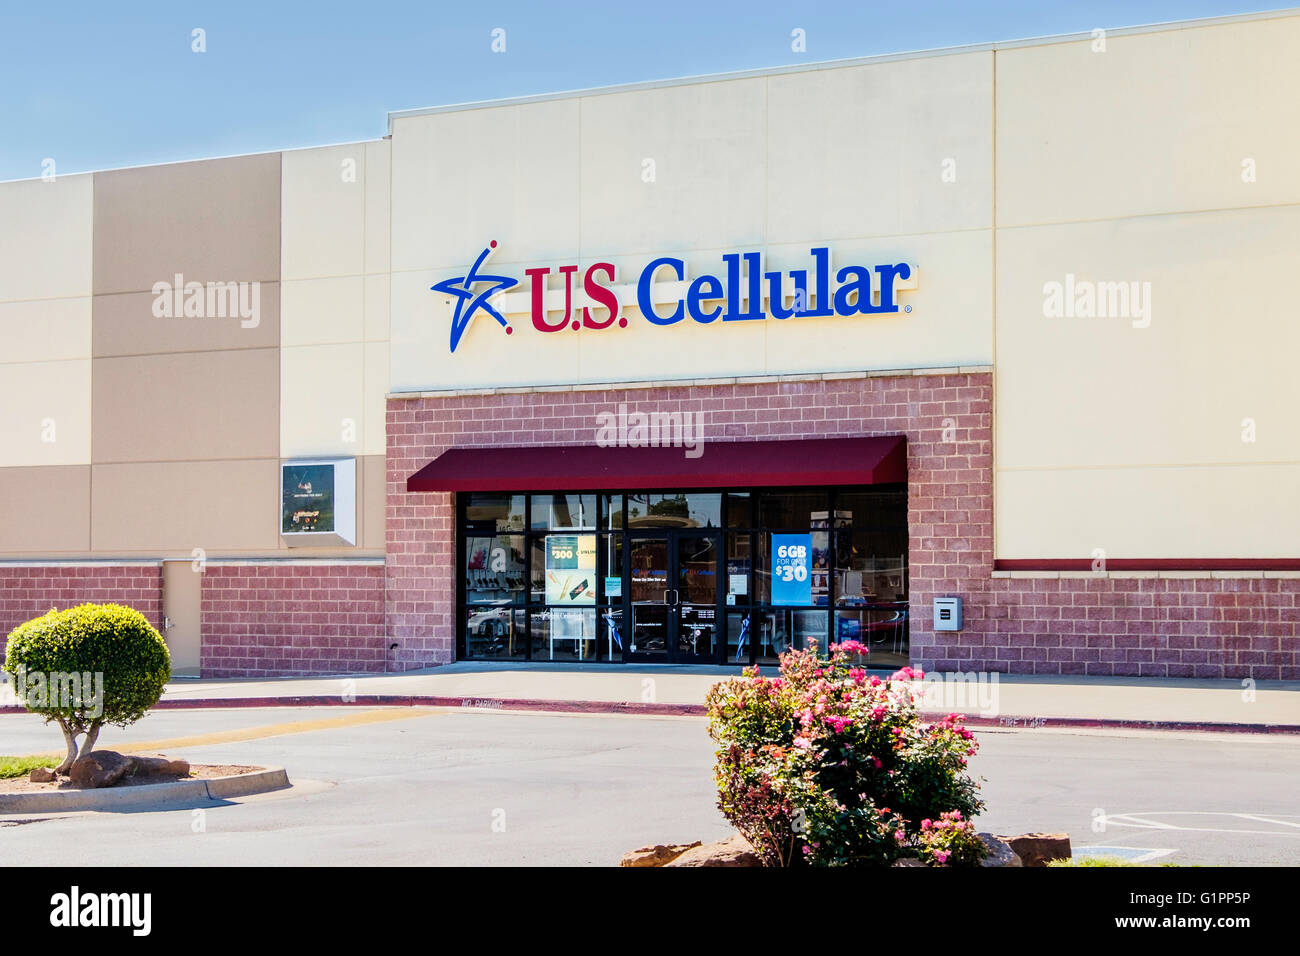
100, 85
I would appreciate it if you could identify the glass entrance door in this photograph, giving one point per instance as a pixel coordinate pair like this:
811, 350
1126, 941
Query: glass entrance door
674, 591
651, 593
695, 595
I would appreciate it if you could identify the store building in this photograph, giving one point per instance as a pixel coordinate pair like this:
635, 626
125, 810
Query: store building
692, 371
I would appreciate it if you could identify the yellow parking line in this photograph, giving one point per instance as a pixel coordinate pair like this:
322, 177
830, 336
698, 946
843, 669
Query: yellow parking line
271, 730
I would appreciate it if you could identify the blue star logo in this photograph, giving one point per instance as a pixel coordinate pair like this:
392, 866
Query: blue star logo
468, 302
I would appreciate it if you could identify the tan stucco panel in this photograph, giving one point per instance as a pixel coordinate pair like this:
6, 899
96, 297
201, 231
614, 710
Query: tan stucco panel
214, 220
175, 507
202, 405
129, 323
47, 509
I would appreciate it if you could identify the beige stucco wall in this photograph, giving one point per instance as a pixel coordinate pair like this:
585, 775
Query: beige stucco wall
848, 157
1127, 165
334, 300
45, 318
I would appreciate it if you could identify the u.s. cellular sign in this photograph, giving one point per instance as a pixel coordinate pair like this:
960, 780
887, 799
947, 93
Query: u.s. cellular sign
664, 293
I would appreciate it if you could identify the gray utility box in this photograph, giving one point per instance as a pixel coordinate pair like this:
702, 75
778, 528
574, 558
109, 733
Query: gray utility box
947, 614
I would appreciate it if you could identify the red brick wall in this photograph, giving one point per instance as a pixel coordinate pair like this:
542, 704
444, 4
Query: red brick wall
28, 591
1199, 627
280, 620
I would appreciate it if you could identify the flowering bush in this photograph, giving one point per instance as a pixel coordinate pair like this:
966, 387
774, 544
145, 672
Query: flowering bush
827, 766
949, 841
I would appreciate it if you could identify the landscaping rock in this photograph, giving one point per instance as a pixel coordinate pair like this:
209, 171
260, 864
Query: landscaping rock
733, 851
1038, 849
658, 855
909, 861
100, 768
999, 853
42, 775
160, 765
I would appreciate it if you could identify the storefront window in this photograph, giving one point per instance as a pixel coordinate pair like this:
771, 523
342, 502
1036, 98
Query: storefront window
494, 569
496, 632
870, 567
883, 629
556, 512
738, 507
499, 512
564, 634
781, 629
611, 509
678, 577
866, 509
611, 568
739, 564
791, 509
739, 637
674, 511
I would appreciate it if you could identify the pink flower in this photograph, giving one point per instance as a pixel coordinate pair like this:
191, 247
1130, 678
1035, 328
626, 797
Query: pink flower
851, 647
941, 856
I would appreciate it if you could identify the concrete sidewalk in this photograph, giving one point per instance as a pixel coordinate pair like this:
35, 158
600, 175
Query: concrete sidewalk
1014, 700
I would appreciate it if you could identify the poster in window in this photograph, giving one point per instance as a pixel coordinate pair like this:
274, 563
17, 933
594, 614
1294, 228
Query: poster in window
791, 569
570, 569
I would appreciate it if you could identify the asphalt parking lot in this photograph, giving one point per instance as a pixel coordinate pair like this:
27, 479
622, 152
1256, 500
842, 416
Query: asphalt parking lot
488, 787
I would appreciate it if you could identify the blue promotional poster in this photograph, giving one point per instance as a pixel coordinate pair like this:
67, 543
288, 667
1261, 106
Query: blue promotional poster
791, 561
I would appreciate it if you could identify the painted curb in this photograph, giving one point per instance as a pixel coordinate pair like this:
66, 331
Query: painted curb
151, 795
1006, 722
1119, 723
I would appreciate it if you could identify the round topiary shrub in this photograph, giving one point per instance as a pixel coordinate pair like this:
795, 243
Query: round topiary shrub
90, 665
828, 766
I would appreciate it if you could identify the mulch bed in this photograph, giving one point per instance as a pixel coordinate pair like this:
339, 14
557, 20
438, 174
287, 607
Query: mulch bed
198, 771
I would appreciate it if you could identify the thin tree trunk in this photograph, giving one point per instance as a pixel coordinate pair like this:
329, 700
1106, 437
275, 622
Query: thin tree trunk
70, 738
92, 735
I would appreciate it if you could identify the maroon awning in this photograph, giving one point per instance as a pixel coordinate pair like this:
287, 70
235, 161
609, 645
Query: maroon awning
811, 461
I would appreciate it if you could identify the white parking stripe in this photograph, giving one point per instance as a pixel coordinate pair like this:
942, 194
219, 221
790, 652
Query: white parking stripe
1281, 823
